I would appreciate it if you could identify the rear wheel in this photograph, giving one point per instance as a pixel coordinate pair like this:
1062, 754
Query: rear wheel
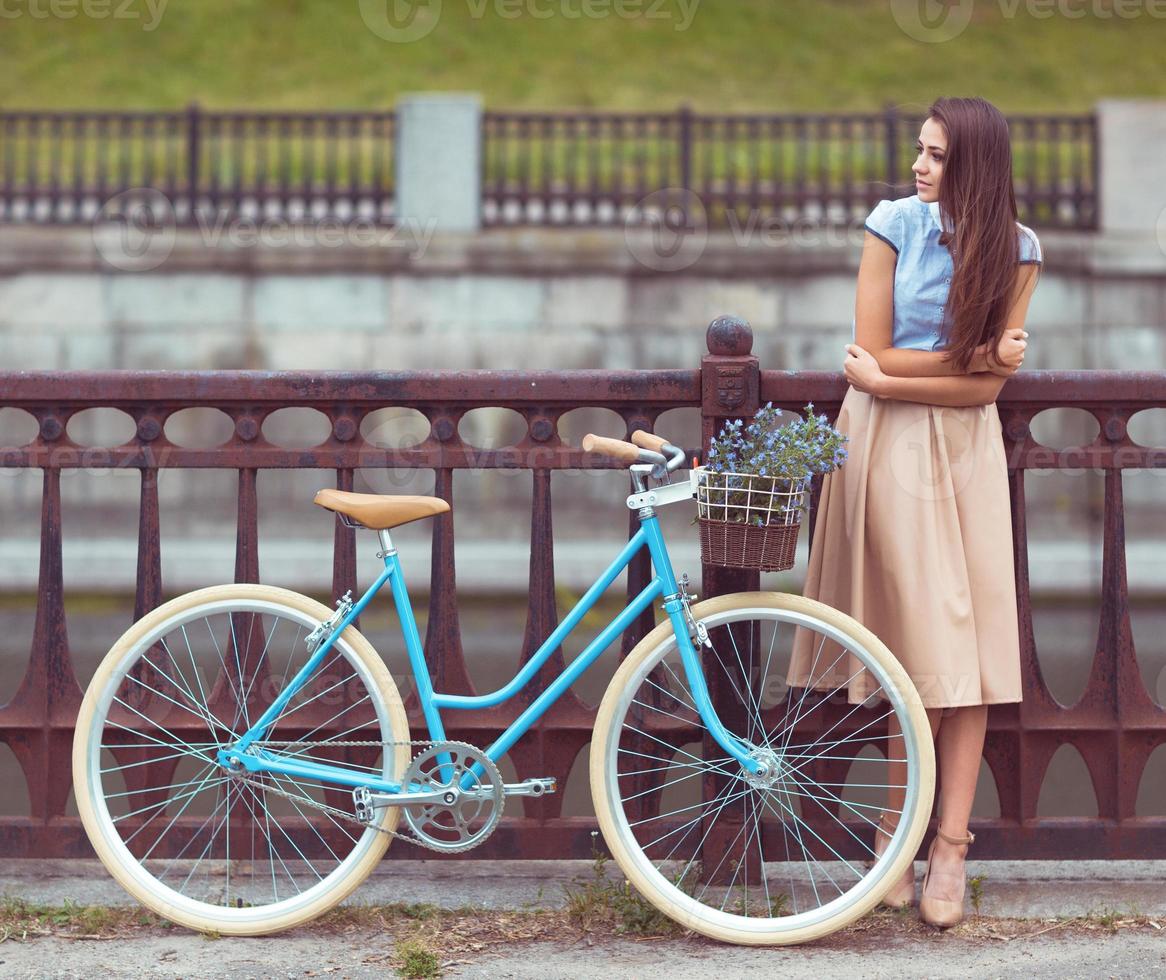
193, 841
789, 857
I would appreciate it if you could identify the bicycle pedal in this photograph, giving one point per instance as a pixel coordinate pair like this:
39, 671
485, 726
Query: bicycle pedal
362, 804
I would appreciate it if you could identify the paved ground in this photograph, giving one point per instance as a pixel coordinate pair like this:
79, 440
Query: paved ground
306, 955
1022, 889
1117, 935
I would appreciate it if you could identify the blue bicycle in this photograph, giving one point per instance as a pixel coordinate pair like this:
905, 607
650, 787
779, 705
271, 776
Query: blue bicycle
242, 756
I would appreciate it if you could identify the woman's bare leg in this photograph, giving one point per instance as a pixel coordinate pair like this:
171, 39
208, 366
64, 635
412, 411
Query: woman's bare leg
897, 763
959, 744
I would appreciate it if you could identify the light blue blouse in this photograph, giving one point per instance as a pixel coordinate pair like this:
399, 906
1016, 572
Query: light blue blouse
923, 270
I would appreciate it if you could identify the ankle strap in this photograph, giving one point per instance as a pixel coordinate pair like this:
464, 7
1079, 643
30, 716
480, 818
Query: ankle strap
955, 840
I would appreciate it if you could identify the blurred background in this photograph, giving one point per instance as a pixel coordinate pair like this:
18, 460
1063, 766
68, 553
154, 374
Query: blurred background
536, 184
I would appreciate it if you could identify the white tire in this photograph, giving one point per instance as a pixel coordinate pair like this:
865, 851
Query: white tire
644, 828
146, 682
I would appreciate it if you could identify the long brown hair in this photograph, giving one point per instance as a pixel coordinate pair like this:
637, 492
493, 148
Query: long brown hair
976, 192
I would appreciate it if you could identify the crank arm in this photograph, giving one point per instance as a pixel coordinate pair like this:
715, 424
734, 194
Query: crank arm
365, 797
530, 787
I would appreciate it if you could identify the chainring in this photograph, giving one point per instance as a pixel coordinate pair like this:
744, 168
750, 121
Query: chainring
473, 790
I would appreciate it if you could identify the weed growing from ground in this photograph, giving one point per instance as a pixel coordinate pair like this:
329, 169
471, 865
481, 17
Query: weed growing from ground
976, 889
417, 961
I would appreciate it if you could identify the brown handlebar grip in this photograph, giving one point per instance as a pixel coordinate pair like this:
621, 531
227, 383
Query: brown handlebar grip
616, 448
645, 440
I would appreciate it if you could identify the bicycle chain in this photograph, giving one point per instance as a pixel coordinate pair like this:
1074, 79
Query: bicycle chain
344, 815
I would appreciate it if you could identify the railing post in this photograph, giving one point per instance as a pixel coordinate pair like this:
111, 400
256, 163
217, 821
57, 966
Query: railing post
193, 138
730, 387
684, 139
891, 124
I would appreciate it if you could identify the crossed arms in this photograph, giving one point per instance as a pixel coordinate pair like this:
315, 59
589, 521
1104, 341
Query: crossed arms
919, 375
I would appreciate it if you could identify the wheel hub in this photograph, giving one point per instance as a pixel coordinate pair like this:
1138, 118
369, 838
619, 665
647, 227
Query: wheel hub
774, 768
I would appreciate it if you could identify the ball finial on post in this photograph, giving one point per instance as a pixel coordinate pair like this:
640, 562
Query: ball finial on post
729, 336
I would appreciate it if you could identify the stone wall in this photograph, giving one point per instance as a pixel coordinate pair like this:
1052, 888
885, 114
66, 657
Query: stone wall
437, 292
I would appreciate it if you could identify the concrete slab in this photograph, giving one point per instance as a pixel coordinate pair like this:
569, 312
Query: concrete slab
1011, 889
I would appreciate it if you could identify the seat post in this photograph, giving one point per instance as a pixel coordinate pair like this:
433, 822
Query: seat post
386, 544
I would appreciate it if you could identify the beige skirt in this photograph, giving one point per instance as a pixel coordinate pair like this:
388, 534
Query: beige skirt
913, 538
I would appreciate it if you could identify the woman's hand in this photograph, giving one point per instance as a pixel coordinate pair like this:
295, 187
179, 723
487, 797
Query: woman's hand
862, 370
1009, 352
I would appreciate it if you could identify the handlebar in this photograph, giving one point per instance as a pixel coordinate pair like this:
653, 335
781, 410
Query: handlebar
647, 440
644, 448
615, 448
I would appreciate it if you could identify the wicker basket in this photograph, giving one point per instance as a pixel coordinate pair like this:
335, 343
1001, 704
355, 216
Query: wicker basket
749, 521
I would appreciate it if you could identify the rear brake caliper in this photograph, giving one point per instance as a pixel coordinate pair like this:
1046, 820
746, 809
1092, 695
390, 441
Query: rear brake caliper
343, 606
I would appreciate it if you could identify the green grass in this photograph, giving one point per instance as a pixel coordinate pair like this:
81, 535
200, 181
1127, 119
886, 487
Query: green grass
417, 960
20, 918
976, 884
824, 55
598, 903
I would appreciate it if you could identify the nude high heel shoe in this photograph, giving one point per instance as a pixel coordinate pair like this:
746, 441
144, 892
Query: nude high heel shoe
943, 912
902, 895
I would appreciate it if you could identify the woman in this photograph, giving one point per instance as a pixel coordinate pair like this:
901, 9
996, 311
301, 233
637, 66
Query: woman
913, 535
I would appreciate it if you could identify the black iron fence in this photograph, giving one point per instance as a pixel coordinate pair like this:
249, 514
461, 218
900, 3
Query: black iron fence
70, 167
541, 168
791, 169
1116, 725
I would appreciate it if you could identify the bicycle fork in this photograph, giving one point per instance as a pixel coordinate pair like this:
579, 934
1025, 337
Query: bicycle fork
756, 760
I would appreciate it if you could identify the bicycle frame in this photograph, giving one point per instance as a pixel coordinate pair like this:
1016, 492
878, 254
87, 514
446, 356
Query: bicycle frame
663, 584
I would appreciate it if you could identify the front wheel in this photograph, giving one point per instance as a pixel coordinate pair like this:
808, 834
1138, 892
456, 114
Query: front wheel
211, 848
774, 860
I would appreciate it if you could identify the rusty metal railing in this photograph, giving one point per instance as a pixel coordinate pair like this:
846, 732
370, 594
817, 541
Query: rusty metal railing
1115, 725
